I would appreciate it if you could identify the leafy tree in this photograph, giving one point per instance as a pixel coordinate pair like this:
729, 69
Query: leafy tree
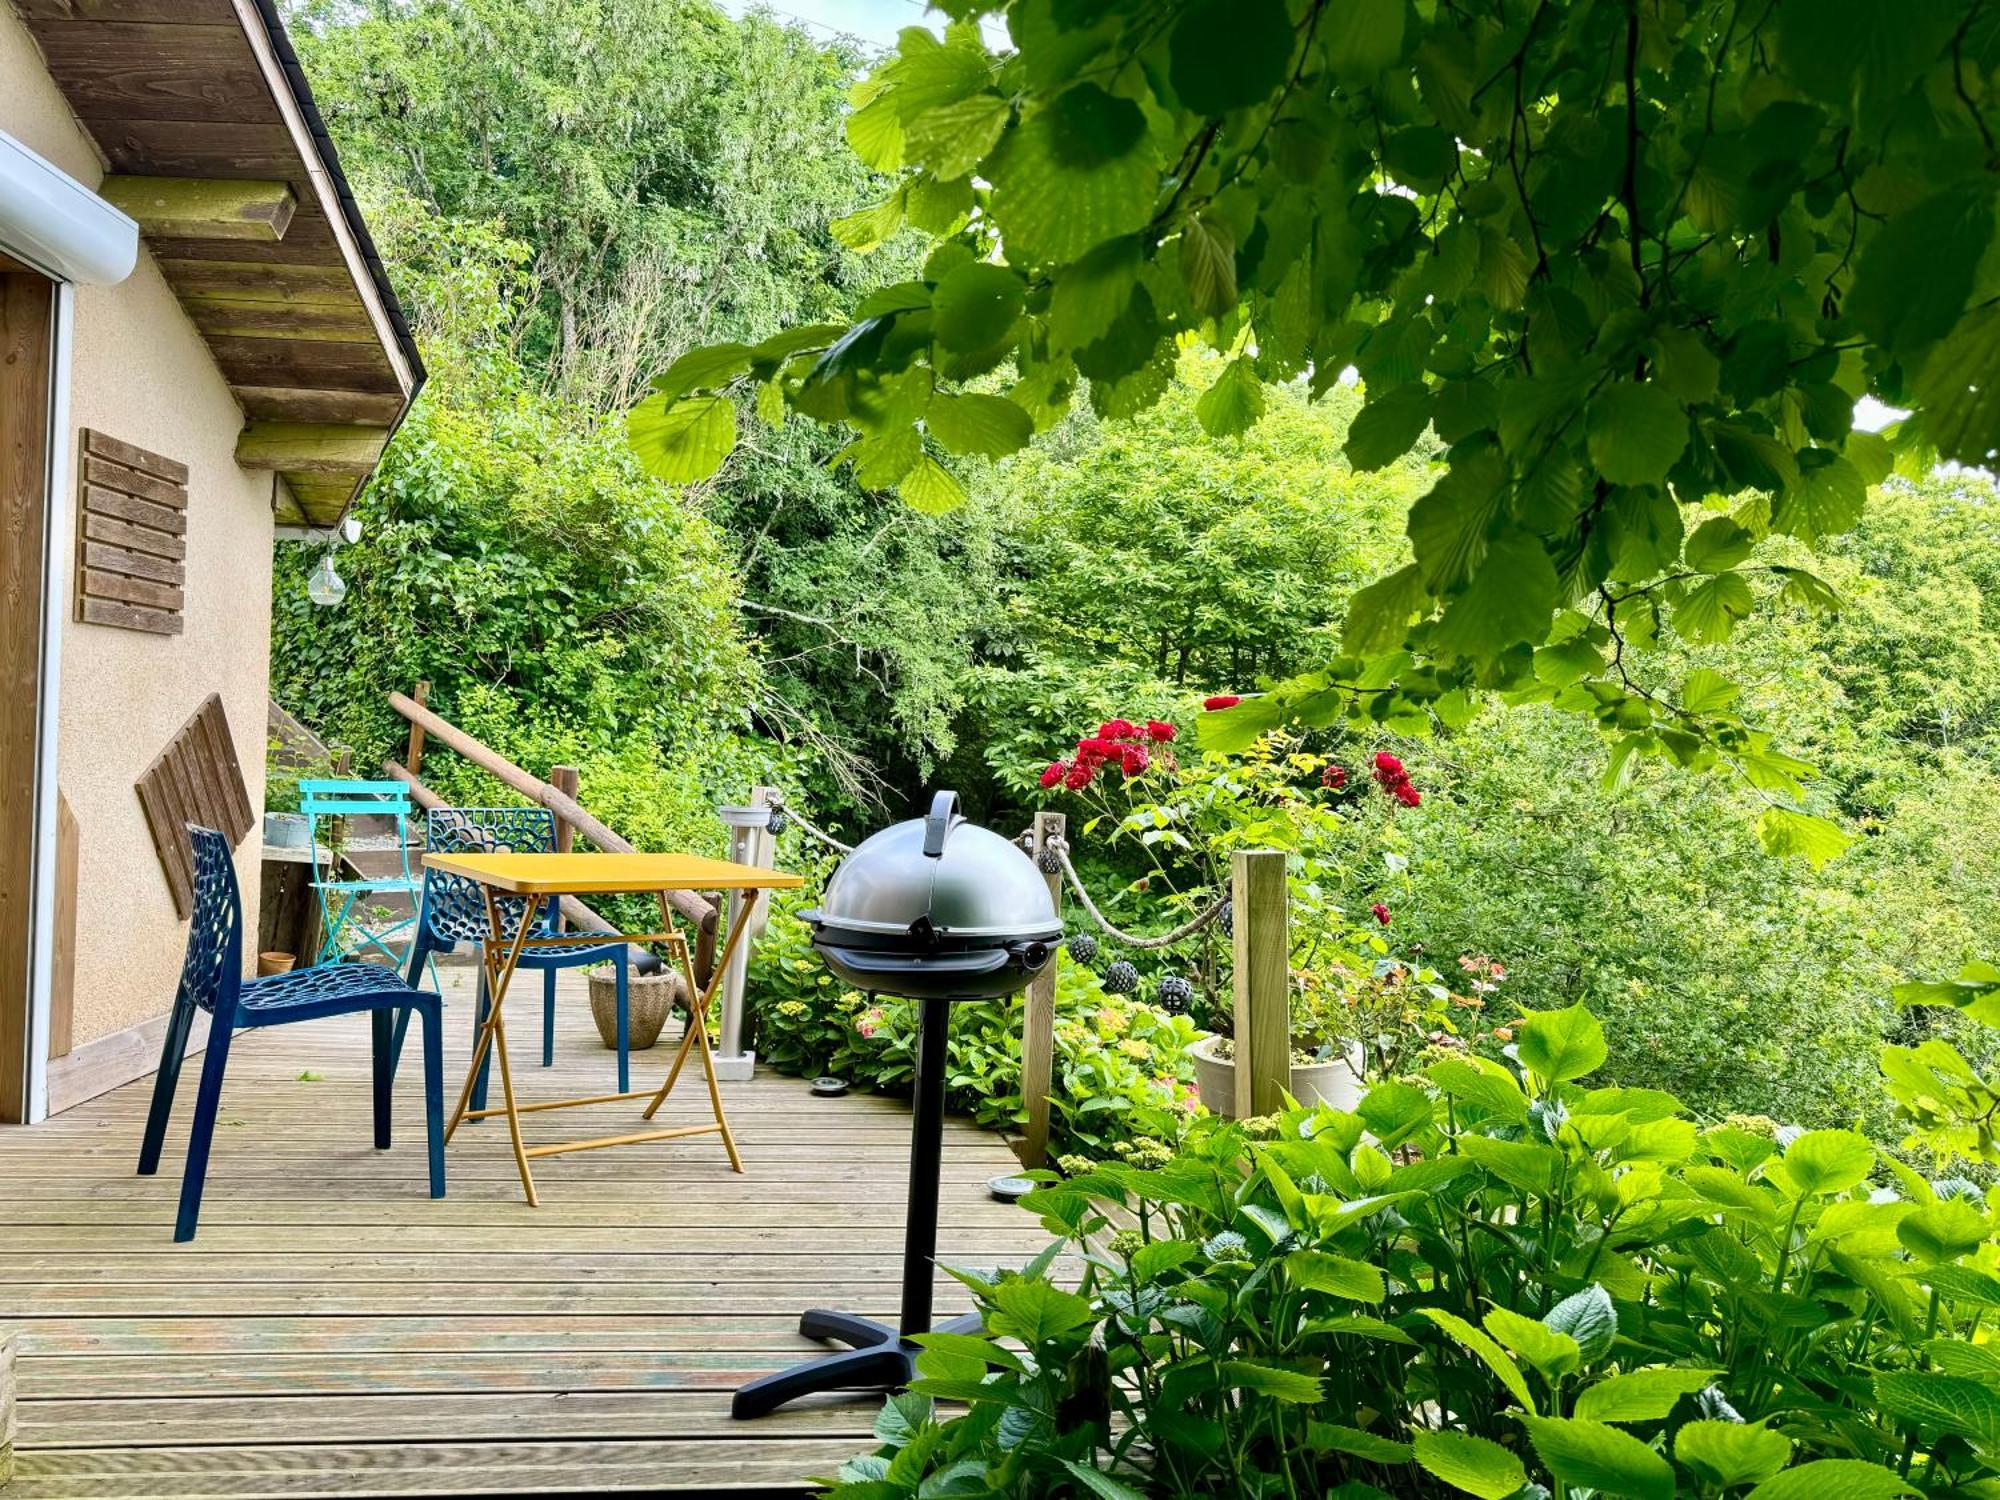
1632, 263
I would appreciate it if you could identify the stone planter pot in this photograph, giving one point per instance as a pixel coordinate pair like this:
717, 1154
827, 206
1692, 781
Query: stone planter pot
1337, 1083
283, 830
649, 999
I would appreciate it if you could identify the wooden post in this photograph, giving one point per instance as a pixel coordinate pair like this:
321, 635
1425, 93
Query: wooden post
343, 761
1038, 1025
1263, 981
413, 756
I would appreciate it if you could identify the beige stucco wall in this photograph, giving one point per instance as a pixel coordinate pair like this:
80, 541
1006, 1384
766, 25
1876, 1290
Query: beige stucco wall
142, 373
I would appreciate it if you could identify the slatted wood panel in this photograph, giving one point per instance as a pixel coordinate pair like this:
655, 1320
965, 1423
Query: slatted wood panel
332, 1331
131, 537
196, 779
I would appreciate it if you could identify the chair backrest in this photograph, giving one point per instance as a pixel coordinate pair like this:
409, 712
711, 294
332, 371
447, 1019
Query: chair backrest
212, 973
356, 799
454, 907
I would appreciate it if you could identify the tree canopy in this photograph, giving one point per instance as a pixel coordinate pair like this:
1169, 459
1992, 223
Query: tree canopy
1633, 262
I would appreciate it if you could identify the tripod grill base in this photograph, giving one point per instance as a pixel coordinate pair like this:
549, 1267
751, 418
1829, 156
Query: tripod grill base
878, 1358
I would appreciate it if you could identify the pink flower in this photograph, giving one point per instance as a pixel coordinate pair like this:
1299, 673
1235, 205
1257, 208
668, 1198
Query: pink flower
1159, 731
1221, 701
1054, 772
1381, 913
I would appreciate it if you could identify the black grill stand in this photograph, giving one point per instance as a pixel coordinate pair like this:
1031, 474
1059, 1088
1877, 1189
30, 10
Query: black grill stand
881, 1357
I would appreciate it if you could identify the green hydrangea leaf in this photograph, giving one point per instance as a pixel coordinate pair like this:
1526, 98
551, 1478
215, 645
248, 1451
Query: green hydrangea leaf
1590, 1317
1640, 1395
1946, 1231
1833, 1479
1552, 1352
1590, 1453
1726, 1454
1475, 1465
1560, 1045
1823, 1162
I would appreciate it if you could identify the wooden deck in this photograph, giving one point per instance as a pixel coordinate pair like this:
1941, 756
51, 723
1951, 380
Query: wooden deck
333, 1331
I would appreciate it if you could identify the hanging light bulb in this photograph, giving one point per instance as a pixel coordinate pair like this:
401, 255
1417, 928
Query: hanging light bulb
326, 587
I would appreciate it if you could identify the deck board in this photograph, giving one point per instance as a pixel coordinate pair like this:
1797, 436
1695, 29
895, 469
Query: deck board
333, 1331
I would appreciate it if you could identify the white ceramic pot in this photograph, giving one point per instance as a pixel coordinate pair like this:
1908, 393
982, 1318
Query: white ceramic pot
283, 830
1337, 1083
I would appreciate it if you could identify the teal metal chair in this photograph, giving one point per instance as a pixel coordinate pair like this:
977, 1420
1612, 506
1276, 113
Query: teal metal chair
344, 930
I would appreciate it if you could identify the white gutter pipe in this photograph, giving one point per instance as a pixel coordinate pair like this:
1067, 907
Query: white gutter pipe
60, 226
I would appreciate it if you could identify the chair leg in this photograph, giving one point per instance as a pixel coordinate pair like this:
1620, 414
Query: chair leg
624, 1026
173, 1048
381, 1023
207, 1104
549, 1018
433, 1023
486, 1064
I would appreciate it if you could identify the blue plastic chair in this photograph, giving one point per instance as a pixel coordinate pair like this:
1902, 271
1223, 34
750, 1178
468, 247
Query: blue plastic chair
454, 912
211, 979
325, 801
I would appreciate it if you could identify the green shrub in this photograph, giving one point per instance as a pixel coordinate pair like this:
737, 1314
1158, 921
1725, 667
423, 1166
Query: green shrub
1492, 1280
1122, 1071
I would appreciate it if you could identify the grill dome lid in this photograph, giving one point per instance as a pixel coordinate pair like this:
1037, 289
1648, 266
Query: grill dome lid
939, 875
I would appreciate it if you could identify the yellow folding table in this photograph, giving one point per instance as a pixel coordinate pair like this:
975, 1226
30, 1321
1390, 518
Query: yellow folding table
515, 887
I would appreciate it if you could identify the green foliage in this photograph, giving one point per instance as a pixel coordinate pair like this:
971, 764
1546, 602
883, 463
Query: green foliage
1608, 1299
1122, 1071
1633, 266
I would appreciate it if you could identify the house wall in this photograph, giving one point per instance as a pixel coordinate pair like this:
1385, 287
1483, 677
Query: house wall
141, 373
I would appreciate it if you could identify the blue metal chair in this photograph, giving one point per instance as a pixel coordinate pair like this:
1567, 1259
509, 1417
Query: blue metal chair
211, 978
326, 801
454, 912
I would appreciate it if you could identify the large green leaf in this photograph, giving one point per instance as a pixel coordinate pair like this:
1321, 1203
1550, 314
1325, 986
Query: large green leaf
989, 426
702, 369
1590, 1317
1636, 432
1554, 1354
1208, 266
1785, 831
1379, 615
1331, 1437
1708, 611
1726, 1454
1384, 430
975, 306
1054, 210
1336, 1275
1448, 525
1099, 1483
1959, 390
1507, 601
1941, 1404
1945, 1231
1364, 36
1228, 54
1827, 500
1272, 1380
1640, 1395
952, 139
1822, 1162
1590, 1453
1035, 1311
1833, 1479
1233, 403
1560, 1045
1913, 279
1472, 1464
682, 441
930, 487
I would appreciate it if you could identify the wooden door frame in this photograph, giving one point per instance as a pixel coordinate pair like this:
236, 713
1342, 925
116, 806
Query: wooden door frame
24, 1058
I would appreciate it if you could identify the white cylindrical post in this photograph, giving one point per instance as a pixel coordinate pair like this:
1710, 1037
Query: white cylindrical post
750, 843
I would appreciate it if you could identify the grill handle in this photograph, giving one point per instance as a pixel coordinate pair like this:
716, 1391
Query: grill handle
903, 965
937, 827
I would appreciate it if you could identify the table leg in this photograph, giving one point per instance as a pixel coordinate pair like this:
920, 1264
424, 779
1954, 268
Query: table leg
697, 1034
499, 956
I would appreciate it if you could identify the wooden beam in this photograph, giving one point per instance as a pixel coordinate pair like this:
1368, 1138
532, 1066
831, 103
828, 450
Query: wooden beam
203, 208
1263, 981
310, 447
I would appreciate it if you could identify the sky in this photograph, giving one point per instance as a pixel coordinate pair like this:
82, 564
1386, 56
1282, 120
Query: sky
874, 22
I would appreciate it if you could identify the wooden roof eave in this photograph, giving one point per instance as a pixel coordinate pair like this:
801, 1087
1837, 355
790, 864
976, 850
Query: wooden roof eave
209, 134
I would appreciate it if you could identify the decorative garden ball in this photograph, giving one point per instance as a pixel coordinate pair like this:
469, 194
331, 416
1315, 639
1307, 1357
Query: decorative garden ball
1121, 979
1051, 862
1228, 919
1176, 995
1082, 947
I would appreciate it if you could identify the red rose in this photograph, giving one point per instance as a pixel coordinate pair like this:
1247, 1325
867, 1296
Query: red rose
1221, 701
1406, 794
1134, 760
1117, 729
1333, 778
1388, 770
1055, 771
1079, 776
1381, 913
1159, 731
1096, 745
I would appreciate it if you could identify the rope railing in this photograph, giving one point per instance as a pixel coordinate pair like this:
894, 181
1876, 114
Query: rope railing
1059, 847
785, 812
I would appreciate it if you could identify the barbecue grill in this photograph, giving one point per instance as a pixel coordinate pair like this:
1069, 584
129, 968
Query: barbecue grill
941, 911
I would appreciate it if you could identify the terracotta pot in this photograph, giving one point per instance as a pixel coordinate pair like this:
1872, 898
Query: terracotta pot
1337, 1083
649, 999
275, 963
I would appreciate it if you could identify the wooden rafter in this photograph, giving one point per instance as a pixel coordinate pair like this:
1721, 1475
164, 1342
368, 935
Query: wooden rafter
196, 208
